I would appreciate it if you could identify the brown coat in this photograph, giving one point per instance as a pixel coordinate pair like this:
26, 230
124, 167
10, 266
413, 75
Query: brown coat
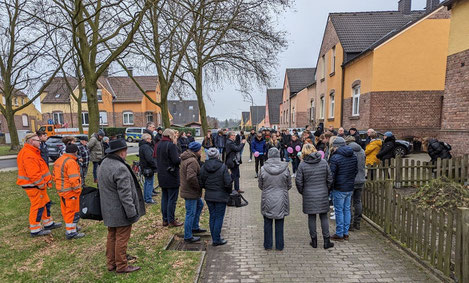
189, 173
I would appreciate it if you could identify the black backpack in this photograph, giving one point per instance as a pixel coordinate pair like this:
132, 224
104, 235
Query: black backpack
90, 205
236, 199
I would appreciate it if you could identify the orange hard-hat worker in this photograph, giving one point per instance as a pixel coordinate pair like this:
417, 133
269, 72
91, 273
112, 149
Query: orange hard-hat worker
68, 184
34, 177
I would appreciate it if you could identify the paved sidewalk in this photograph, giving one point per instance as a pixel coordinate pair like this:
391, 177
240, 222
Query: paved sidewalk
367, 257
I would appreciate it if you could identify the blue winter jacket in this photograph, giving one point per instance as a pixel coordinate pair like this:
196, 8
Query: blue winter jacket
220, 141
343, 165
259, 146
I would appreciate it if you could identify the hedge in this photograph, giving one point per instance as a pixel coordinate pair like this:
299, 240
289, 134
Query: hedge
111, 131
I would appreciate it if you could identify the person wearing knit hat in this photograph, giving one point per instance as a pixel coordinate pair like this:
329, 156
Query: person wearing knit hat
353, 132
387, 150
343, 164
349, 139
217, 182
191, 191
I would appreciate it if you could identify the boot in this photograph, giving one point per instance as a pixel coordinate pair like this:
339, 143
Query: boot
357, 226
314, 242
327, 243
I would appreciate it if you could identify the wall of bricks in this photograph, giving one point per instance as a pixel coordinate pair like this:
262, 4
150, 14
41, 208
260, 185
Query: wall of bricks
455, 120
18, 123
405, 113
301, 120
72, 119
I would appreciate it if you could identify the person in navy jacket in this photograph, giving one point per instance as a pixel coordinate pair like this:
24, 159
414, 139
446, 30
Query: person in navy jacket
259, 145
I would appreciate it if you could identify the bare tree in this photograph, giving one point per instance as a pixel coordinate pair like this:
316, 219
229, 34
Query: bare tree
234, 40
24, 46
101, 30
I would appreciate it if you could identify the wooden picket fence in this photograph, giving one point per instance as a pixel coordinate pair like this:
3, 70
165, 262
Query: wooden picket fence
440, 238
411, 173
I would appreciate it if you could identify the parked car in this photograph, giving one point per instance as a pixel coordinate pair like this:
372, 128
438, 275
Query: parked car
55, 145
402, 148
133, 134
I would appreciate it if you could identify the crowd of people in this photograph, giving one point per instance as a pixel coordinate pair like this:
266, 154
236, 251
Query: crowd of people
328, 167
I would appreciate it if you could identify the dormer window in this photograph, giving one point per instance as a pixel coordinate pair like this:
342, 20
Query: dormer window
191, 107
57, 95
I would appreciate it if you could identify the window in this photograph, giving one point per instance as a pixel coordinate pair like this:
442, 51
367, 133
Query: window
356, 100
311, 116
321, 108
22, 101
58, 117
103, 118
25, 120
333, 60
293, 115
85, 119
16, 101
99, 95
84, 98
149, 117
128, 118
331, 105
191, 107
3, 100
57, 95
323, 62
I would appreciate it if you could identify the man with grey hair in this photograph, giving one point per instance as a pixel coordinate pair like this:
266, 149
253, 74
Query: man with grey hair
368, 135
233, 158
149, 130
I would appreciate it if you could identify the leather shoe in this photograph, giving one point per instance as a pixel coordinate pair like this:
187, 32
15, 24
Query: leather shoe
192, 240
240, 191
113, 268
336, 238
221, 243
129, 269
175, 224
165, 223
346, 237
199, 231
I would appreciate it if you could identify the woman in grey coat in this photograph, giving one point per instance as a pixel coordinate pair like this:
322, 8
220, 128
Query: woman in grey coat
313, 181
274, 181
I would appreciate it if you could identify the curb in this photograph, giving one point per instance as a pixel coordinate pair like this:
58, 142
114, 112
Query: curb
9, 169
438, 274
6, 157
199, 269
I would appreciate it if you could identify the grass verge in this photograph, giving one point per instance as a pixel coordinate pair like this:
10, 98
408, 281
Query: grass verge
5, 150
53, 258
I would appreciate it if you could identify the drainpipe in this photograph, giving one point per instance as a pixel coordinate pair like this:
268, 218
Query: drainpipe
71, 115
342, 95
113, 113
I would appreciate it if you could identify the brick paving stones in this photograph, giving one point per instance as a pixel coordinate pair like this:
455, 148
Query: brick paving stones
366, 257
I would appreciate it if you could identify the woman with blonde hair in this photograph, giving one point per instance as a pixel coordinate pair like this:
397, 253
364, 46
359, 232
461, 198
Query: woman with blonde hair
313, 181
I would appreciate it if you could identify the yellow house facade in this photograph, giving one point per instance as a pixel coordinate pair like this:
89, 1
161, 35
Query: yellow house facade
27, 118
392, 82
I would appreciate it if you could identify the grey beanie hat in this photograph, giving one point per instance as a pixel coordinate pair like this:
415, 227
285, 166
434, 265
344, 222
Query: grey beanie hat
338, 142
213, 153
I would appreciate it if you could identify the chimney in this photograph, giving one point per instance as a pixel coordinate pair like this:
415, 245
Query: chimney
432, 4
131, 71
405, 6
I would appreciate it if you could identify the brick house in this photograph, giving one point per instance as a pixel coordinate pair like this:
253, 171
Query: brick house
184, 111
272, 108
295, 99
121, 103
384, 70
455, 118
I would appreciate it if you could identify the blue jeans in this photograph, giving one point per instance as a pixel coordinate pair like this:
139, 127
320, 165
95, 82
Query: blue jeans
217, 214
193, 211
268, 235
148, 188
341, 202
169, 197
95, 170
287, 155
235, 175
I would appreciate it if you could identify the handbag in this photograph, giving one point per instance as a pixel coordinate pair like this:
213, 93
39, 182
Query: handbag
147, 172
237, 200
90, 205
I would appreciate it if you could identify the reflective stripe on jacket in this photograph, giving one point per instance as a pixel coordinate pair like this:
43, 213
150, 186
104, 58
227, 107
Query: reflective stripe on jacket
67, 173
32, 170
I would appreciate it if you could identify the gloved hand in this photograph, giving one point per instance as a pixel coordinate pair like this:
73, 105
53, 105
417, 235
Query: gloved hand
133, 218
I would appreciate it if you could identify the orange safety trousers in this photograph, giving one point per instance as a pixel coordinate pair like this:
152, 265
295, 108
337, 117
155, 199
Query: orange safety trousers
39, 210
70, 206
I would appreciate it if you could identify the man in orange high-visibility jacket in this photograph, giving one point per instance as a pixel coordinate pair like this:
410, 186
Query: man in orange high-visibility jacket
68, 184
34, 177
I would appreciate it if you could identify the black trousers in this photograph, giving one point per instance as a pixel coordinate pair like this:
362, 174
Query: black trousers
259, 160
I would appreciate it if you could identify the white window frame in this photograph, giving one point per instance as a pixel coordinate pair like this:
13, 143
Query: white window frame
356, 100
58, 117
103, 121
85, 117
331, 105
99, 95
84, 98
321, 107
149, 114
25, 122
323, 62
128, 115
22, 101
333, 60
15, 101
3, 100
311, 114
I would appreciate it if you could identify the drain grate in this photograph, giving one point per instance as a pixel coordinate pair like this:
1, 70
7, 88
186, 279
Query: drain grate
177, 244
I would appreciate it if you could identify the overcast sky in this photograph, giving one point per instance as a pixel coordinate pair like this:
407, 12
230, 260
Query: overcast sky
305, 25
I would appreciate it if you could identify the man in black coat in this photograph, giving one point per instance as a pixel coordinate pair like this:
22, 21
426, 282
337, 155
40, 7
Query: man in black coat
354, 133
387, 150
251, 137
286, 140
147, 165
233, 158
43, 147
190, 138
149, 130
167, 162
437, 149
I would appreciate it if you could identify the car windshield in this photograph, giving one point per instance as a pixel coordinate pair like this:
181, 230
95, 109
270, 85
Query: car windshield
54, 140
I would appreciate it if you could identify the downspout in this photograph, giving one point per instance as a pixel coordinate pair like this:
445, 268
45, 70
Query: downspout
342, 95
71, 114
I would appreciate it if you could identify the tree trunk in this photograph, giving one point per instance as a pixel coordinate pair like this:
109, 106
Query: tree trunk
200, 101
93, 108
164, 90
15, 142
80, 118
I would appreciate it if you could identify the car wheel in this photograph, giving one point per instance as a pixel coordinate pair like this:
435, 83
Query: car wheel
129, 139
400, 151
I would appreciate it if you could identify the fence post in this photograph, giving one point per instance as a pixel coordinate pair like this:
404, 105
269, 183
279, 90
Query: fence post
462, 245
398, 169
387, 216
